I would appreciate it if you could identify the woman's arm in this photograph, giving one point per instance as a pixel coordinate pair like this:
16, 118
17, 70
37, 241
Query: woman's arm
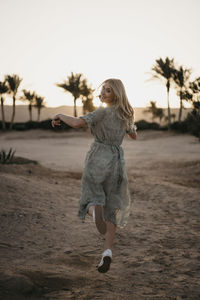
71, 121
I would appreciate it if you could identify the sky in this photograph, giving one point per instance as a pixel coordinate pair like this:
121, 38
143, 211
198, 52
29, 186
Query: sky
43, 41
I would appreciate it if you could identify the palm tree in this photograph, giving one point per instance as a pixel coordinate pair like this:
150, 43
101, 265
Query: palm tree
13, 82
195, 88
3, 90
151, 109
73, 86
160, 114
173, 116
155, 111
165, 70
30, 97
181, 79
87, 97
88, 105
39, 104
194, 96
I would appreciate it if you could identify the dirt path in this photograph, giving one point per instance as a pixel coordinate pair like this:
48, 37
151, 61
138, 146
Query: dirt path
47, 253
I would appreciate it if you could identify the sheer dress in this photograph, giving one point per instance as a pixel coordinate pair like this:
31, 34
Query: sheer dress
104, 180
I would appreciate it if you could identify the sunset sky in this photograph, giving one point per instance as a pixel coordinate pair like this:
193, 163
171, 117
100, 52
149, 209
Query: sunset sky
43, 41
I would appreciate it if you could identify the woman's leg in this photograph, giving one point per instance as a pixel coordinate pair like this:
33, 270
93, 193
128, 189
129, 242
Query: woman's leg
97, 213
110, 235
90, 210
110, 230
106, 258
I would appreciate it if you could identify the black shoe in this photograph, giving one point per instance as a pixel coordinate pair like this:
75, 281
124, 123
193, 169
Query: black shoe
105, 262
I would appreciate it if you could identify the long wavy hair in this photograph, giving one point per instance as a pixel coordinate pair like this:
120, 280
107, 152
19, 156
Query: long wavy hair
121, 102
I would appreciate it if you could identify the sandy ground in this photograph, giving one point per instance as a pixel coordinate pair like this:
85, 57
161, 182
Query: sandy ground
47, 253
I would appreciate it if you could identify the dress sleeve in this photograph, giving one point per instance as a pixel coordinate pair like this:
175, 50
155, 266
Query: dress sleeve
92, 118
131, 128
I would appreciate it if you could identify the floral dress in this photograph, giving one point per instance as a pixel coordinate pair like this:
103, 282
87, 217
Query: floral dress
104, 179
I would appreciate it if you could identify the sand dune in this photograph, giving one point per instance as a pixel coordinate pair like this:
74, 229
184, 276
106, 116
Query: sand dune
48, 253
22, 114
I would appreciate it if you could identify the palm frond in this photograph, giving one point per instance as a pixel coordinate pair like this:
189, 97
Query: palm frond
164, 68
39, 102
13, 82
3, 87
72, 85
181, 77
27, 96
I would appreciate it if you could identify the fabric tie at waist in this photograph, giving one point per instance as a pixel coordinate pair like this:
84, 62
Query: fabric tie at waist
119, 150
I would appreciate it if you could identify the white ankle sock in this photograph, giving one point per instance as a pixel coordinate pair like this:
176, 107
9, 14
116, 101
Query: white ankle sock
107, 252
93, 214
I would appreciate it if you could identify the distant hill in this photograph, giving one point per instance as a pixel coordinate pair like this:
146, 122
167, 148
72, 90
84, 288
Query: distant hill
22, 114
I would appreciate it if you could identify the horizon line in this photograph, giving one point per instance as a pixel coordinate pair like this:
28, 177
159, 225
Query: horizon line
80, 106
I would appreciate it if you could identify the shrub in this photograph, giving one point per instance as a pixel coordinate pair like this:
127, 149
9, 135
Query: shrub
180, 126
6, 158
142, 125
163, 128
7, 125
19, 126
46, 124
193, 124
32, 125
154, 126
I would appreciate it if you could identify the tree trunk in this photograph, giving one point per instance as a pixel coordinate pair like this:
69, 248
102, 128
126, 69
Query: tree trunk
168, 106
75, 112
38, 114
30, 112
13, 114
181, 108
3, 115
83, 107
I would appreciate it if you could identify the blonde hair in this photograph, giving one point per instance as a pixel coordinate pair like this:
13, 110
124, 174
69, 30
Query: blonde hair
122, 105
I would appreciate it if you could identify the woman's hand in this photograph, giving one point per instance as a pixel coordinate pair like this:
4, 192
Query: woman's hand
55, 121
73, 122
133, 135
